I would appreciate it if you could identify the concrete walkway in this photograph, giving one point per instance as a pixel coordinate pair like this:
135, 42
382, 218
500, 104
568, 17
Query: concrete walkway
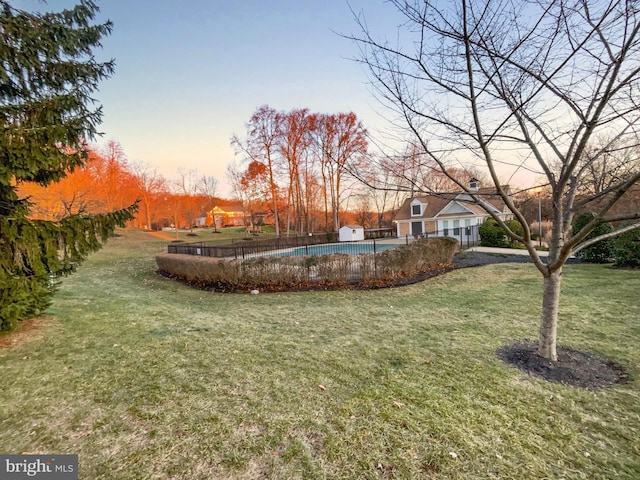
507, 251
503, 251
493, 250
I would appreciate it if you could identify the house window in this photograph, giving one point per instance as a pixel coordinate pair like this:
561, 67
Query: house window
456, 227
445, 228
415, 209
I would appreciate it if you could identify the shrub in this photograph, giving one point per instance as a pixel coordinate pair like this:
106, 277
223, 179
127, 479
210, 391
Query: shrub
22, 298
626, 248
546, 227
419, 256
516, 227
600, 252
280, 273
492, 234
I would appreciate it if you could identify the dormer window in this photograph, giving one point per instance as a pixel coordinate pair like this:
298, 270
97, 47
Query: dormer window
417, 208
474, 184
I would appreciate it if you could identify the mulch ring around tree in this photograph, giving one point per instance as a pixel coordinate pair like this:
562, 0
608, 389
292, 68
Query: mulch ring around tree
573, 368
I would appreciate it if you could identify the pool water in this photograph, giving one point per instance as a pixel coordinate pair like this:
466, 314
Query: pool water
328, 249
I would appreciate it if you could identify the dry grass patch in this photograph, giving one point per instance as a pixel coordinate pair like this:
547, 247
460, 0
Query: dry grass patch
28, 330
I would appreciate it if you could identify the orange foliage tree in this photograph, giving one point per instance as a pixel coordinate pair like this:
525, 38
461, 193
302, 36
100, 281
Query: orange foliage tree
103, 184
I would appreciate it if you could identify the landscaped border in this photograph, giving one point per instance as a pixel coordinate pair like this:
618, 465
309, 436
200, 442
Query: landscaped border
405, 264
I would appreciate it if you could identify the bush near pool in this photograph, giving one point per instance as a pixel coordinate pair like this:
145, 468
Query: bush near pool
327, 271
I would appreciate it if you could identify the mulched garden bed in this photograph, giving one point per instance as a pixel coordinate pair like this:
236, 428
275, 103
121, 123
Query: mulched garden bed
574, 368
477, 259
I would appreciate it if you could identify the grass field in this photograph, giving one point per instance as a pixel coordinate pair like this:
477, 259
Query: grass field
145, 378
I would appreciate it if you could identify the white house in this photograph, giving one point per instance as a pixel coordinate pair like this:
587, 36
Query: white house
350, 233
449, 214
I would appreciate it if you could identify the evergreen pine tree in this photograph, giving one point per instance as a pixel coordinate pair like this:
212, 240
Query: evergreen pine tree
47, 76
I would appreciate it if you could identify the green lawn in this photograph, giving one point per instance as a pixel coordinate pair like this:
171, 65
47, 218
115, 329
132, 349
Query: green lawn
145, 378
221, 235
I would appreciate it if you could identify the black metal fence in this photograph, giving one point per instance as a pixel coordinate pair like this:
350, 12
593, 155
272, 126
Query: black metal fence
249, 247
466, 236
349, 247
371, 233
316, 244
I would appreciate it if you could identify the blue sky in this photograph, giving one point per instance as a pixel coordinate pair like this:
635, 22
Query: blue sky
190, 73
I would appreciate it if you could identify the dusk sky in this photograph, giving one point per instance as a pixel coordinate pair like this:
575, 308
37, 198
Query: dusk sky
189, 74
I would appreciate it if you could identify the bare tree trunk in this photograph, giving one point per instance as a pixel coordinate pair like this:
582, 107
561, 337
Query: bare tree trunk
549, 320
274, 193
335, 202
326, 200
290, 203
147, 209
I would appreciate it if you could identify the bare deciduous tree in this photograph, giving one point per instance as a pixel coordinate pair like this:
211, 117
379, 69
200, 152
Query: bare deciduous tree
341, 143
208, 186
614, 163
233, 175
260, 145
187, 185
293, 144
149, 184
530, 85
384, 193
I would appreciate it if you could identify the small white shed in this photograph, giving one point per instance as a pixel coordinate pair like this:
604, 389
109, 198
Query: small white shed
350, 233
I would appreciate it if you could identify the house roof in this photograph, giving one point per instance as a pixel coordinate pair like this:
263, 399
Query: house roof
352, 226
237, 208
435, 204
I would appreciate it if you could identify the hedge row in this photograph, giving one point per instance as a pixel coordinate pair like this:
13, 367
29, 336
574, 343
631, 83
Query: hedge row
282, 273
623, 250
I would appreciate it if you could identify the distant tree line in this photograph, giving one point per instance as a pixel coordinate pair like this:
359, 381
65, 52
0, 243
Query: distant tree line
109, 181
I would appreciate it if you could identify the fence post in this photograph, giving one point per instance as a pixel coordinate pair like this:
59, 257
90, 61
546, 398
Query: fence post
375, 261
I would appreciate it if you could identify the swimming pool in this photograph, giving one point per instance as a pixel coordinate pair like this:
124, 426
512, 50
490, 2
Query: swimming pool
332, 248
